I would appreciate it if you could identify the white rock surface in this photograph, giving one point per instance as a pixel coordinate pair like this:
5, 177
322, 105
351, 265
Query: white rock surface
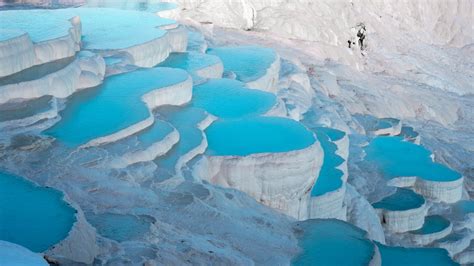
280, 180
404, 220
86, 71
177, 94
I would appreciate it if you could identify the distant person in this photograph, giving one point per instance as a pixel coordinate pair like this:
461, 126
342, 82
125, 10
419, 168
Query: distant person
361, 36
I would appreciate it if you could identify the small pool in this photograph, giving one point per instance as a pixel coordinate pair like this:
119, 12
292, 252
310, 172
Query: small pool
403, 199
185, 120
398, 158
257, 135
332, 133
249, 63
396, 256
14, 111
433, 224
190, 61
332, 242
32, 216
464, 207
111, 107
330, 178
227, 98
120, 227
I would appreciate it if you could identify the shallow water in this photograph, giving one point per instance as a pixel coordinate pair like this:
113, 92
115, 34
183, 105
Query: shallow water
113, 106
332, 242
403, 199
257, 135
396, 256
329, 178
32, 216
191, 62
397, 158
185, 120
25, 109
102, 28
226, 98
433, 224
249, 63
119, 227
36, 72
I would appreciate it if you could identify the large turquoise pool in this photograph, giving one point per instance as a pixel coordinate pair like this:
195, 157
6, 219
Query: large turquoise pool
330, 178
248, 63
102, 28
398, 158
227, 98
332, 242
396, 256
257, 135
403, 199
32, 216
111, 107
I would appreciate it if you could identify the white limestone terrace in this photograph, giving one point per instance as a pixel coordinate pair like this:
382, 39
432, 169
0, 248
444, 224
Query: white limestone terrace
190, 122
17, 115
255, 155
103, 114
405, 164
34, 37
200, 66
257, 66
85, 71
148, 144
380, 126
47, 35
434, 227
328, 192
402, 211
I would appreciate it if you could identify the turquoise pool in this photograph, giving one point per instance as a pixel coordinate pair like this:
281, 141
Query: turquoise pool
119, 227
32, 216
249, 63
257, 135
111, 107
332, 133
396, 256
332, 242
433, 224
397, 158
102, 28
330, 178
190, 61
403, 199
226, 98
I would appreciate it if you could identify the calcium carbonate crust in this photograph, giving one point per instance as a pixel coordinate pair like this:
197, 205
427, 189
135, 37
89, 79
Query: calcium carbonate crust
280, 180
86, 71
19, 53
177, 94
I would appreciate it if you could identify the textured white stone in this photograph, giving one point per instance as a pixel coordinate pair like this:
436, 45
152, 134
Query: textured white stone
438, 191
177, 94
403, 221
280, 180
425, 239
269, 81
20, 52
87, 70
80, 245
150, 153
